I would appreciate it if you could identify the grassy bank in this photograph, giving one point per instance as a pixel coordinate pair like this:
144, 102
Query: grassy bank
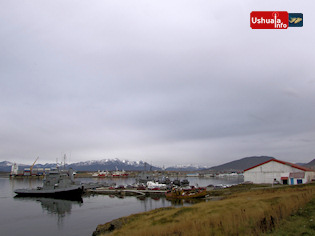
301, 222
250, 212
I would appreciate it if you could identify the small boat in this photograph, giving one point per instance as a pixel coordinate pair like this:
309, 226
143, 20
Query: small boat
178, 193
165, 180
118, 173
155, 186
101, 174
56, 184
184, 182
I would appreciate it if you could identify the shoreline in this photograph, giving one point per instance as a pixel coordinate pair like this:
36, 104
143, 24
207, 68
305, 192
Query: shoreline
251, 209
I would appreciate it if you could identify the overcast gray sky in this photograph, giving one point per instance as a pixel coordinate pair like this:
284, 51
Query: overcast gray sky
164, 81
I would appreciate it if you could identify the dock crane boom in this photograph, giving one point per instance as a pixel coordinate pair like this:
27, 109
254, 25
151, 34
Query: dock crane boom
31, 168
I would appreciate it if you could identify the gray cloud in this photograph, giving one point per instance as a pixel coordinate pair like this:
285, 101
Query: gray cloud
163, 81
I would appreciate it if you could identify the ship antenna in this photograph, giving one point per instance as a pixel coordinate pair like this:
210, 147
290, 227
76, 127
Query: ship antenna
64, 162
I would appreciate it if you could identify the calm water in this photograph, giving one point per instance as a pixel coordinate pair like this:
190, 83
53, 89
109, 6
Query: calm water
43, 216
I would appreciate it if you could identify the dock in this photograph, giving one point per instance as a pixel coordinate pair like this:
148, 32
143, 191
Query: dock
127, 192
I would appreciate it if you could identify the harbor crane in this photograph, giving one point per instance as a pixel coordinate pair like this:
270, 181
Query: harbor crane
31, 168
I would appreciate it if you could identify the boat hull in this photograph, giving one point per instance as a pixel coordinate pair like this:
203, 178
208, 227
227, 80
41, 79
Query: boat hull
65, 193
182, 195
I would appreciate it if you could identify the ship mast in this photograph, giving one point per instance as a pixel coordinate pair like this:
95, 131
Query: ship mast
64, 161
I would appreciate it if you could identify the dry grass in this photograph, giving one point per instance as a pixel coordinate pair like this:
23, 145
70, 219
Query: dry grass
251, 213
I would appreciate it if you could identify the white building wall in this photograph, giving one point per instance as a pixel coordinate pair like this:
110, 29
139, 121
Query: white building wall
266, 173
309, 176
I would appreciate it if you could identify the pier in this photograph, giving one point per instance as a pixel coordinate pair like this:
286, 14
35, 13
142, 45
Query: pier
131, 192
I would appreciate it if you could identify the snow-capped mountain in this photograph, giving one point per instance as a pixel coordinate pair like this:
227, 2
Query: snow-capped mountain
5, 166
185, 168
105, 164
112, 164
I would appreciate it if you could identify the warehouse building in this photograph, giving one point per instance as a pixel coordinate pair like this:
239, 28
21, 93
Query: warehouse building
276, 171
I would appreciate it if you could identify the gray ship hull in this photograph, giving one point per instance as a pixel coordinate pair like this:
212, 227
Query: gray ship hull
68, 192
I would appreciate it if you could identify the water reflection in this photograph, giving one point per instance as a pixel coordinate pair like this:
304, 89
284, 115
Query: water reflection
185, 202
57, 207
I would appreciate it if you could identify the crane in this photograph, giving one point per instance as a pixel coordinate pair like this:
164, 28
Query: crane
31, 168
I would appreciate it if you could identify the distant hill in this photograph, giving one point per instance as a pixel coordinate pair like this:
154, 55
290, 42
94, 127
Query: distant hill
310, 165
5, 166
241, 164
300, 163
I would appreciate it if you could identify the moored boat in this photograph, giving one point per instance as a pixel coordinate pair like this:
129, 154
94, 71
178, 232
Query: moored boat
57, 184
178, 193
118, 173
101, 174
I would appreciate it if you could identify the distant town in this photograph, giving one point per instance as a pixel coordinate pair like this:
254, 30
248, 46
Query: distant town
113, 168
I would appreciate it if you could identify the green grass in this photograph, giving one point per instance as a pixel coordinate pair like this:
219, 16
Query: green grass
302, 222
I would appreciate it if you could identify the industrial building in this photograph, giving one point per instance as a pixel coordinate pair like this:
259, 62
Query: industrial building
276, 171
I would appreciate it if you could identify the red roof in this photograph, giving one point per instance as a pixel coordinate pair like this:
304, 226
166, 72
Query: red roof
281, 162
